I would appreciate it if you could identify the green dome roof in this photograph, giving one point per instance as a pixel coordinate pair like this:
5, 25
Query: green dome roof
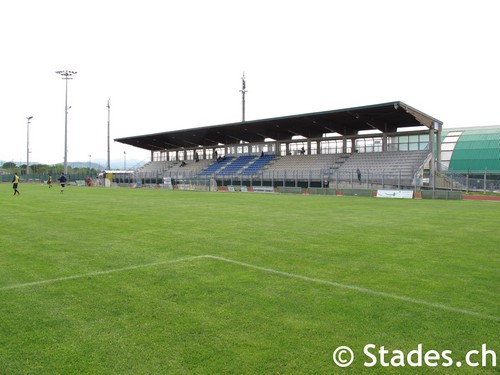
477, 149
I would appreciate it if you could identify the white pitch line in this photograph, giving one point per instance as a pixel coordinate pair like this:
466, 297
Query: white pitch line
267, 270
359, 289
97, 273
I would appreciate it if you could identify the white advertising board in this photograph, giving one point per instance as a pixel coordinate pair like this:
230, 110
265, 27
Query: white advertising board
408, 194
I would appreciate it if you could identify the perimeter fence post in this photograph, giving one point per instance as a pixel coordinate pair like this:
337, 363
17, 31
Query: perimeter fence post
485, 180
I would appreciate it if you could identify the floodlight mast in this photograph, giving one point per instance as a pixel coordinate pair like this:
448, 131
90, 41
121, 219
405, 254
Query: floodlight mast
28, 146
66, 75
109, 157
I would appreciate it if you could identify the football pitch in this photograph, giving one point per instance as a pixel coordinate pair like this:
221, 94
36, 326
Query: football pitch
143, 281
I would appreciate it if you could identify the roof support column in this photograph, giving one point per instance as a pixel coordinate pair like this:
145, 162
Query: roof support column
384, 142
432, 167
438, 146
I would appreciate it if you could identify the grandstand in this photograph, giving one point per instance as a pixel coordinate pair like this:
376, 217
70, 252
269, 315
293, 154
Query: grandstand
391, 144
308, 150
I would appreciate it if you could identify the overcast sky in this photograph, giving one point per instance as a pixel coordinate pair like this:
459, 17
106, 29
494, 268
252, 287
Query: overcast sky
168, 65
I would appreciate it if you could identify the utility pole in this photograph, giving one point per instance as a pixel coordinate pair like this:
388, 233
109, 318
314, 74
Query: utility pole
243, 91
109, 160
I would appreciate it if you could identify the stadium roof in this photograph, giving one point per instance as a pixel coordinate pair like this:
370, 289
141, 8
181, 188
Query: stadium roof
386, 117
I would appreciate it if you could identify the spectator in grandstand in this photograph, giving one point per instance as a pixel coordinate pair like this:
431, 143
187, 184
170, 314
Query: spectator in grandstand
262, 154
62, 180
15, 182
302, 150
183, 163
358, 172
196, 157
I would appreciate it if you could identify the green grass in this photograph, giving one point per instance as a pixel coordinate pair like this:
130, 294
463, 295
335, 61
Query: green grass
129, 290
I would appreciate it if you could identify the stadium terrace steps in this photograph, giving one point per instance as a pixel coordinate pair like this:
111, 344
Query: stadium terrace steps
235, 166
155, 166
190, 167
169, 168
216, 167
257, 165
313, 166
397, 165
405, 163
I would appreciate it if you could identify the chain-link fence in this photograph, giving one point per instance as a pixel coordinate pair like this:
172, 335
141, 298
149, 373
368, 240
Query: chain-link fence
315, 178
468, 182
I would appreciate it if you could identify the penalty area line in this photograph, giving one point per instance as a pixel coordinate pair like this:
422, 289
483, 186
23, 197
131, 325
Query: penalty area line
266, 270
98, 273
357, 289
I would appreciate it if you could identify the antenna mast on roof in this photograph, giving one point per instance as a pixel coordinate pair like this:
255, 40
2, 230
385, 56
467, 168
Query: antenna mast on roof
243, 91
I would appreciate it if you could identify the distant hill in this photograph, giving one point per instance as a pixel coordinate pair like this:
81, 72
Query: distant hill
118, 164
82, 164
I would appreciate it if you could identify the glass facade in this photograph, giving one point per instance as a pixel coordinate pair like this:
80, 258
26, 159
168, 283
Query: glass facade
413, 142
417, 142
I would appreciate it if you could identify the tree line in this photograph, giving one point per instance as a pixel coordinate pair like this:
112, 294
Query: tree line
45, 169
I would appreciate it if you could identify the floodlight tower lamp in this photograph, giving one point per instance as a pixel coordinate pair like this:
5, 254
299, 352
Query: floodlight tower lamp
66, 75
28, 145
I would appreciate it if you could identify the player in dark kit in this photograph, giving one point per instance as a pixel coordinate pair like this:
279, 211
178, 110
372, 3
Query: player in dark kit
62, 180
15, 182
49, 181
